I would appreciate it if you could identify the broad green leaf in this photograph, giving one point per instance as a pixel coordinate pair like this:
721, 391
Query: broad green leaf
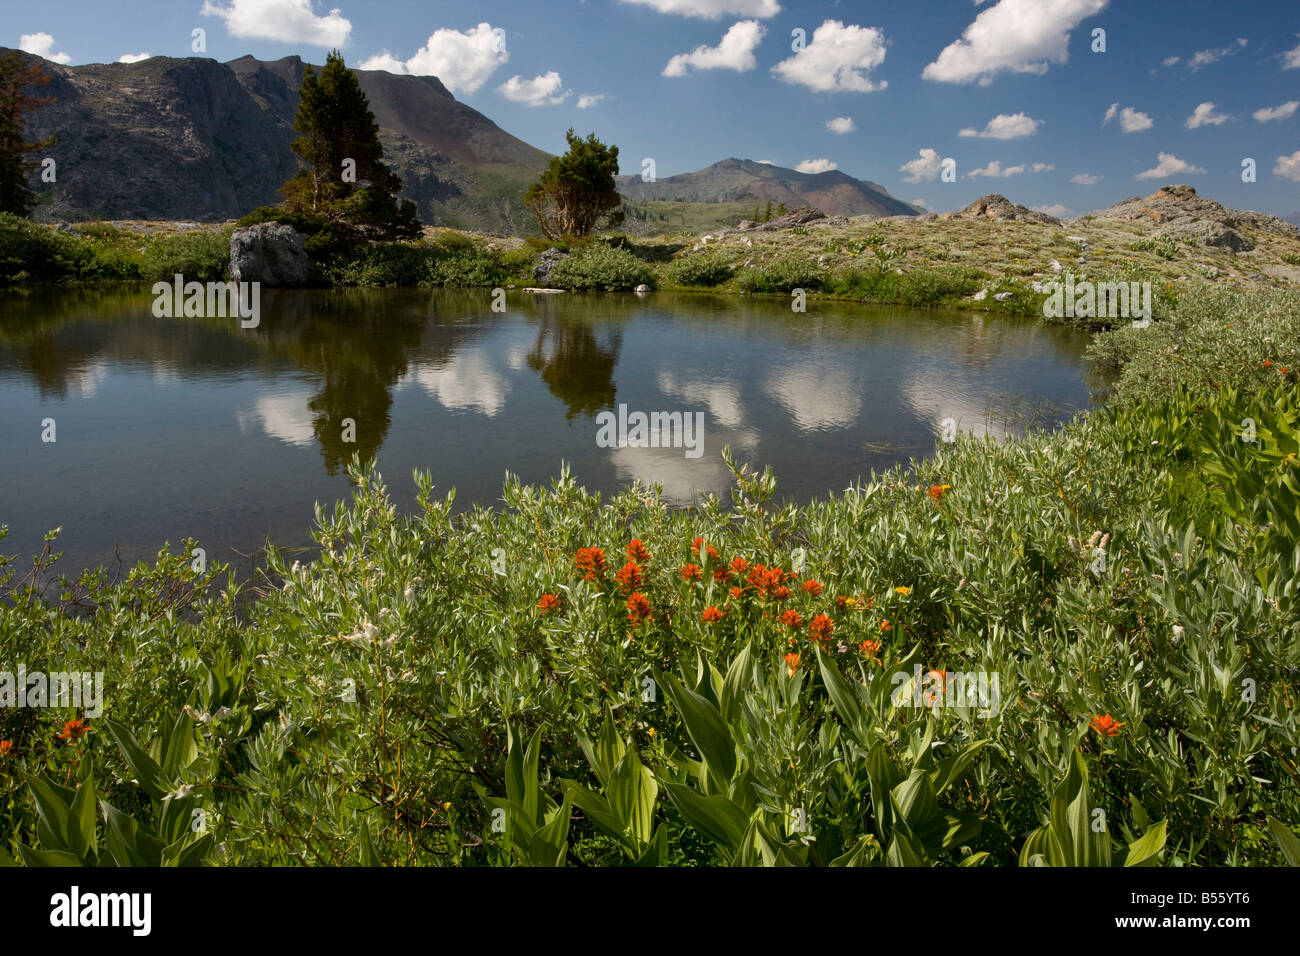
1144, 852
716, 817
1286, 840
631, 793
705, 727
147, 772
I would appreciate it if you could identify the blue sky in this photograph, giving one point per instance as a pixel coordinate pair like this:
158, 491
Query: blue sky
1009, 89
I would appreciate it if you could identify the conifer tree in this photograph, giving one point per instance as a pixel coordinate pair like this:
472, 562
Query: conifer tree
17, 77
345, 178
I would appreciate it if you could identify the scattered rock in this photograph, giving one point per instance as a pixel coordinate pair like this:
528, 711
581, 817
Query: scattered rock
1003, 296
800, 217
546, 262
63, 227
642, 289
1056, 267
271, 253
995, 206
981, 295
1181, 214
542, 291
1078, 240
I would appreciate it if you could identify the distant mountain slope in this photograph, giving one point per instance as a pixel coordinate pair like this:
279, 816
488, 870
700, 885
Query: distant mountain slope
733, 180
196, 139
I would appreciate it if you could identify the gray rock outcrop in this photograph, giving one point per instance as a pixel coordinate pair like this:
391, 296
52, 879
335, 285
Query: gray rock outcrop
271, 253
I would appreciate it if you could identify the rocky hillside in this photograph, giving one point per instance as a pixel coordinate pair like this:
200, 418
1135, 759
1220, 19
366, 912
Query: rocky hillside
994, 206
743, 180
1179, 213
195, 139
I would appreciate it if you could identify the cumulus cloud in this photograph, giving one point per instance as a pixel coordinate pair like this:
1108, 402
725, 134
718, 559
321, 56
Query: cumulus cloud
132, 57
841, 125
1291, 58
925, 168
1288, 167
1042, 167
1171, 61
836, 59
734, 52
541, 90
1085, 179
587, 100
713, 9
1005, 126
1170, 165
816, 166
1205, 57
995, 171
290, 21
1057, 210
1204, 115
1285, 111
463, 61
42, 45
1130, 120
1016, 36
766, 162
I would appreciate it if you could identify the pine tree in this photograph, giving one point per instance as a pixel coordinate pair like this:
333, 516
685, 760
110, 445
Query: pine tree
767, 213
577, 189
345, 178
16, 104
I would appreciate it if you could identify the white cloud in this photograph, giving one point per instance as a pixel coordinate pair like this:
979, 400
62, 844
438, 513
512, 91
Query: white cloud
1042, 168
1205, 57
713, 9
462, 61
1291, 58
1288, 167
286, 417
734, 52
1057, 210
471, 383
925, 168
1169, 165
1005, 126
841, 125
1017, 36
995, 171
921, 203
41, 44
816, 166
1130, 120
290, 21
1204, 115
1285, 111
1171, 61
385, 61
836, 59
766, 162
539, 91
1085, 179
587, 100
132, 57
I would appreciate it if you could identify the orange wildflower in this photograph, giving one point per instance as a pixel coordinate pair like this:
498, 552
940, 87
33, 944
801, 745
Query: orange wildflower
739, 565
735, 593
812, 586
870, 648
781, 593
712, 613
821, 627
791, 618
591, 563
638, 609
74, 730
936, 493
1106, 725
721, 574
5, 747
637, 551
629, 577
549, 603
690, 572
886, 626
792, 663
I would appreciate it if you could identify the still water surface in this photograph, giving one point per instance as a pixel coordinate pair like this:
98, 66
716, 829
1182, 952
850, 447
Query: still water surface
174, 428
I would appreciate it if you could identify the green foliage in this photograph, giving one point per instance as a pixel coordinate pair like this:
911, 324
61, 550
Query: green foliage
708, 267
1166, 247
599, 268
17, 78
783, 275
576, 189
